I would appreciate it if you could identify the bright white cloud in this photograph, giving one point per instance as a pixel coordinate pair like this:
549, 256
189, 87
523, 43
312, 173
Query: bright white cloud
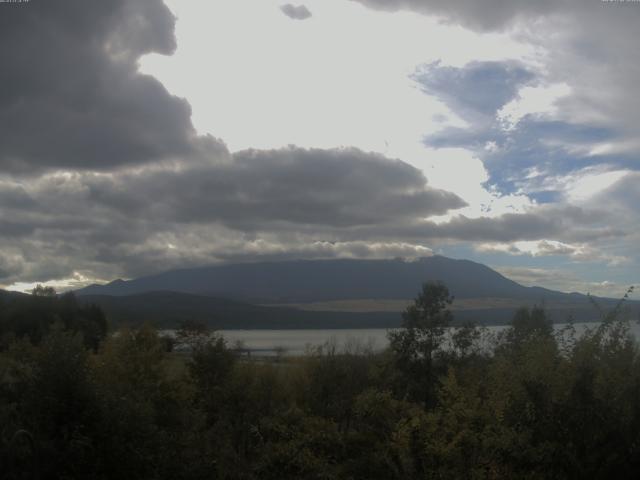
559, 279
581, 252
592, 182
532, 100
579, 187
459, 171
77, 280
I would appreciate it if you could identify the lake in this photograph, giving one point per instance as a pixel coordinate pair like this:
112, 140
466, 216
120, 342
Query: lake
296, 342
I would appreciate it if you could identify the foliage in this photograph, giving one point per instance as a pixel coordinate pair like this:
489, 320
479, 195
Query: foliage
532, 403
33, 316
417, 345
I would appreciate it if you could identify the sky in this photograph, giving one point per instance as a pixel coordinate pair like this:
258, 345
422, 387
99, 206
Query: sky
138, 136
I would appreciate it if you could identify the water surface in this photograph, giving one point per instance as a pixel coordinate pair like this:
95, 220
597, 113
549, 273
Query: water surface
296, 342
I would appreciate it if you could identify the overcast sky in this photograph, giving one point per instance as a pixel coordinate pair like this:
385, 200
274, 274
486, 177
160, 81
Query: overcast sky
138, 136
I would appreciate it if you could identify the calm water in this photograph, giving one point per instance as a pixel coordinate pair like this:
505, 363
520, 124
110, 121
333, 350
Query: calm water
296, 342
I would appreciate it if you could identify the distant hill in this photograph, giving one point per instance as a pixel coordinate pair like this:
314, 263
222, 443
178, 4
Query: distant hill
327, 280
168, 309
325, 294
6, 295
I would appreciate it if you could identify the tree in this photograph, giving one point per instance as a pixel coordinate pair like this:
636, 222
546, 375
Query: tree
43, 291
33, 316
417, 344
465, 340
192, 334
211, 366
529, 324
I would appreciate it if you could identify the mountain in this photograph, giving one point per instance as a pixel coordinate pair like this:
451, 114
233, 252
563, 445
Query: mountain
326, 294
325, 280
6, 295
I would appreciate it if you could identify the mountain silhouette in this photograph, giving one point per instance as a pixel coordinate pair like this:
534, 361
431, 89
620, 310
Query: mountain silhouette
324, 280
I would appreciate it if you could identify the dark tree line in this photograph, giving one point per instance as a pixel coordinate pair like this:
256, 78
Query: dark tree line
33, 317
440, 403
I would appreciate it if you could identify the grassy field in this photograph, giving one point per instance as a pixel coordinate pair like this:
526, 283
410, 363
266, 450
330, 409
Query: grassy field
365, 305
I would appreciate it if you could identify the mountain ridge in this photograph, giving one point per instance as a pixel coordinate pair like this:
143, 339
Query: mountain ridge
341, 293
300, 281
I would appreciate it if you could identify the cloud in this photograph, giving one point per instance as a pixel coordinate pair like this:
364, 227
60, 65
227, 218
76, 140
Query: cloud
559, 279
484, 15
286, 203
570, 224
72, 96
622, 196
339, 188
514, 127
103, 174
580, 252
296, 12
588, 47
290, 202
531, 100
10, 266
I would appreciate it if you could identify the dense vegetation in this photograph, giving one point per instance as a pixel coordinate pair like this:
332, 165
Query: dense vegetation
529, 403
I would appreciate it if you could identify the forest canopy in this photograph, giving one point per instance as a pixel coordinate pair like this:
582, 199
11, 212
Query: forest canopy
439, 402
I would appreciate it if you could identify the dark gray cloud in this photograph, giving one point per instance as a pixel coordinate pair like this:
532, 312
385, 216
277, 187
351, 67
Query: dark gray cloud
342, 187
71, 94
296, 12
557, 222
482, 15
565, 223
623, 198
288, 203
